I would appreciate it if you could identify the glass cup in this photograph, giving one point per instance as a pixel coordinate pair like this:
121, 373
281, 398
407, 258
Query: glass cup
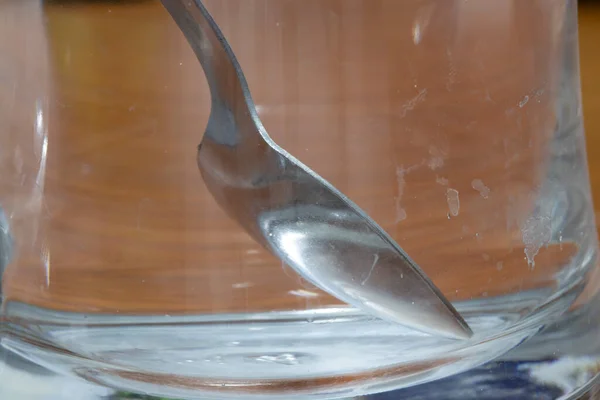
456, 125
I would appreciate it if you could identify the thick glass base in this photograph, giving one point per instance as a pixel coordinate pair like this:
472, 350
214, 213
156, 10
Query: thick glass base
565, 379
559, 362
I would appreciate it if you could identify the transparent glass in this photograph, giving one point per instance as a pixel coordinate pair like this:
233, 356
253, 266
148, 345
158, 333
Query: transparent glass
456, 125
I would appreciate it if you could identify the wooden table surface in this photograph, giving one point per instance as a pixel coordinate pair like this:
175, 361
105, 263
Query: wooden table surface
589, 20
108, 208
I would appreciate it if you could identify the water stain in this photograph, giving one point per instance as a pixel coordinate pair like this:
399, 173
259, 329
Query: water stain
400, 212
453, 201
412, 103
442, 181
536, 232
483, 190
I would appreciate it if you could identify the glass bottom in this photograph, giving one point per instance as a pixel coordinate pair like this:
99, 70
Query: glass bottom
564, 378
330, 353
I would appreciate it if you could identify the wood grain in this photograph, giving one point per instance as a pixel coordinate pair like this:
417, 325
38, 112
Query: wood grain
394, 102
589, 28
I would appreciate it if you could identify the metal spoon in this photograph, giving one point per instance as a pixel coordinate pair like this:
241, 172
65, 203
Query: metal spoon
291, 210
